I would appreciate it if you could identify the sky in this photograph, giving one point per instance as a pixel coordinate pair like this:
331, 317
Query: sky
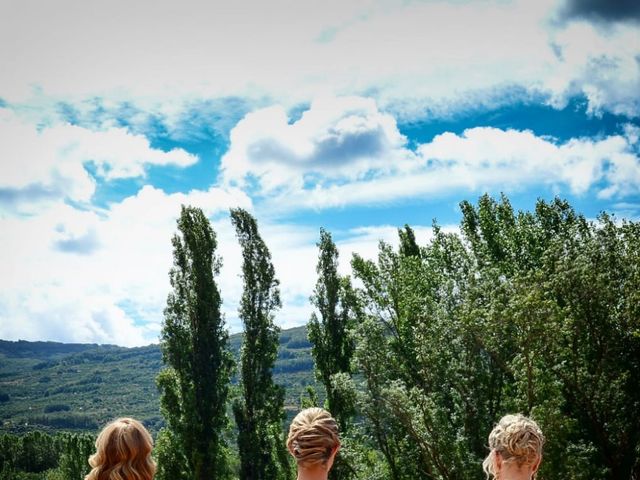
355, 116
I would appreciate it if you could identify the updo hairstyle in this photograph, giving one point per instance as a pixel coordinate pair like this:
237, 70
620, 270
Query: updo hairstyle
517, 439
123, 452
313, 436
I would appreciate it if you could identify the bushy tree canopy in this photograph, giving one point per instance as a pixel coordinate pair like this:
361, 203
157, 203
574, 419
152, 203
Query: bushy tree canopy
532, 312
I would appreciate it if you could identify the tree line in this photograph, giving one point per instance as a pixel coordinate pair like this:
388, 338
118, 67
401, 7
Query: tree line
419, 351
41, 456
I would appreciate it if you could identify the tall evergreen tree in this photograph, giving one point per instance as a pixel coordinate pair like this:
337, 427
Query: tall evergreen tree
259, 412
195, 384
332, 343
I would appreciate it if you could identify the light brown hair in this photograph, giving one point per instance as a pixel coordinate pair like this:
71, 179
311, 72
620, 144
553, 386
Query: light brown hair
313, 437
123, 452
517, 439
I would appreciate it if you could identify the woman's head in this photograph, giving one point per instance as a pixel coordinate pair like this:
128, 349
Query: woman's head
313, 438
123, 452
516, 441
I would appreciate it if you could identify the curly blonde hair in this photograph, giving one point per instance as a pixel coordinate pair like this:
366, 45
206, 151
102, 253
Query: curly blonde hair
123, 452
517, 439
313, 437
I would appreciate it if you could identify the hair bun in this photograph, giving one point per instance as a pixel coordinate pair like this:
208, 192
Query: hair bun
517, 438
313, 436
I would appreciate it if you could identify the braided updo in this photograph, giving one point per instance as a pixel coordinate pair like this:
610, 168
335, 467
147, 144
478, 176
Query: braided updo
517, 439
313, 436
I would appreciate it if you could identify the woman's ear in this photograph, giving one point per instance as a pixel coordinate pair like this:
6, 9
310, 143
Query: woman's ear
498, 459
536, 465
335, 451
332, 456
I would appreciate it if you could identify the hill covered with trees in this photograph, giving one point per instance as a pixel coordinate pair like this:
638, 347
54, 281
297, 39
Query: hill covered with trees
53, 386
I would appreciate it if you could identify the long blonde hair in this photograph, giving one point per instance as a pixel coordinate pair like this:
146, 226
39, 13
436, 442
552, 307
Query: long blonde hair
123, 452
517, 439
313, 437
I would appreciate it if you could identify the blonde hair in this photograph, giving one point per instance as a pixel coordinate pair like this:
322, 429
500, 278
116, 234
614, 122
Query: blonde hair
123, 452
517, 439
313, 436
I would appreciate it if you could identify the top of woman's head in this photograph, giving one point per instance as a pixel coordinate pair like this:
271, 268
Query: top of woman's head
517, 439
313, 436
123, 452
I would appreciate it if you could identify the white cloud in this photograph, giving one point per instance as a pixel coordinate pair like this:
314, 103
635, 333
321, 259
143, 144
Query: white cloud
296, 169
627, 210
415, 57
602, 65
49, 162
112, 293
336, 137
520, 158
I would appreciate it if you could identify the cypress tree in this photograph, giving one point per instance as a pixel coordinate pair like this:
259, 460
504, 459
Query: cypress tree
194, 342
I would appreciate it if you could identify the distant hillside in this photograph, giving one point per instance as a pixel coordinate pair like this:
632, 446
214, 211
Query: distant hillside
58, 386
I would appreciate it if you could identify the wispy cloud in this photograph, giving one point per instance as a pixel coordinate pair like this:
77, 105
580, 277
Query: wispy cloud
84, 244
116, 293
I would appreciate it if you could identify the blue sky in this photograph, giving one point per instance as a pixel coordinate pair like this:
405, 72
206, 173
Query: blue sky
357, 116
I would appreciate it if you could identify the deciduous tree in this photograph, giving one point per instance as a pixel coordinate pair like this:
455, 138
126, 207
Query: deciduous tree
331, 338
258, 412
195, 383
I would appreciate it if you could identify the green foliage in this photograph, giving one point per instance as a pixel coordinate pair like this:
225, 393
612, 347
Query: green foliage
194, 344
38, 456
76, 389
74, 463
309, 398
33, 452
332, 342
57, 407
259, 410
535, 312
171, 459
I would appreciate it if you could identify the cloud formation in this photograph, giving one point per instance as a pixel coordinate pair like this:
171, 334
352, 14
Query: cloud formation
295, 170
420, 58
85, 276
44, 163
335, 138
338, 76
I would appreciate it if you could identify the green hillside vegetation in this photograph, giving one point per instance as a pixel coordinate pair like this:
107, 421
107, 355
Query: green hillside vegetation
52, 386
